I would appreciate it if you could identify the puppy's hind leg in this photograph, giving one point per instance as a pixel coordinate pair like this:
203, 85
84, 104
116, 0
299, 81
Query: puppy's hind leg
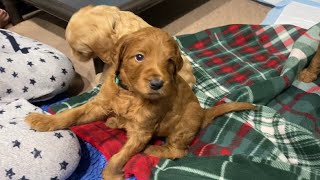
176, 145
137, 140
180, 136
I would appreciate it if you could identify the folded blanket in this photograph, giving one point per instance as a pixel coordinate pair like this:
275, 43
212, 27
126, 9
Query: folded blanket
251, 63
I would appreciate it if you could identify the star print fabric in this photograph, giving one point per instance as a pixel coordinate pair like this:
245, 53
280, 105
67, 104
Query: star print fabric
27, 154
31, 71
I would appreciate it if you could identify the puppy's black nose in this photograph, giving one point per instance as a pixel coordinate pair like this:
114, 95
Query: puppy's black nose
156, 84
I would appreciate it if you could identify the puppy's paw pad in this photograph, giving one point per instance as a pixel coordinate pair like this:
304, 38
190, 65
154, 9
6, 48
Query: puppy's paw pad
306, 76
40, 122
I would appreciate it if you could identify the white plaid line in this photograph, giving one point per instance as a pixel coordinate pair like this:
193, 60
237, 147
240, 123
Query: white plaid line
305, 86
231, 115
214, 81
266, 28
223, 169
296, 56
283, 36
257, 147
194, 171
215, 92
71, 106
262, 75
242, 30
67, 104
248, 94
278, 155
166, 162
216, 139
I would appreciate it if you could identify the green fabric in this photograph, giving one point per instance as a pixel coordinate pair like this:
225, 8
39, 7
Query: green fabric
250, 63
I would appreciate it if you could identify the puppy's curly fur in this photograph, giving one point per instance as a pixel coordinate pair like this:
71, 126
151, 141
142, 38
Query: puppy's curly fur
94, 30
151, 100
311, 73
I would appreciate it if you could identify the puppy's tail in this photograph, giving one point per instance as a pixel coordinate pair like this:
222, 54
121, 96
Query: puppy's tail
213, 112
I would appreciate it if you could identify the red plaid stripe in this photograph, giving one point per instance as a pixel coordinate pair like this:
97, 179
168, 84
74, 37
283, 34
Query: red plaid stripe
200, 44
141, 166
109, 142
288, 107
199, 148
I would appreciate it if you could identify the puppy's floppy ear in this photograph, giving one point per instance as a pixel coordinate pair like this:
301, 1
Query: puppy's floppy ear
178, 61
105, 38
119, 51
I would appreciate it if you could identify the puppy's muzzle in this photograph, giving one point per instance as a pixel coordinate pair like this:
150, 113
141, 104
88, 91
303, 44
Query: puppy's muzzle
156, 84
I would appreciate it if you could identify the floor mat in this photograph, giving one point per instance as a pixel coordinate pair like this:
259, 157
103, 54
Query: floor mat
302, 13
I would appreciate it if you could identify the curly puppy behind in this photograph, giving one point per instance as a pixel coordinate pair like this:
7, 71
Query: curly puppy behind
144, 95
311, 73
93, 31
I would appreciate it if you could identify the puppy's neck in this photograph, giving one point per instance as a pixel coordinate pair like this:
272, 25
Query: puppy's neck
118, 81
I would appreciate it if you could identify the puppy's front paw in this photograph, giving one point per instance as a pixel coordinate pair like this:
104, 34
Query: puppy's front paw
112, 123
40, 122
306, 76
110, 175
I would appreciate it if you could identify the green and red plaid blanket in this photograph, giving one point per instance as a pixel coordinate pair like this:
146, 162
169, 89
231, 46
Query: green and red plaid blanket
250, 63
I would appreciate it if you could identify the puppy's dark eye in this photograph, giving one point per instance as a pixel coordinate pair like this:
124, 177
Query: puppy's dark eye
139, 57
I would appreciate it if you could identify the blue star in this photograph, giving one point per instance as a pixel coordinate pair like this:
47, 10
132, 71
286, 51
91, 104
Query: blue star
25, 89
63, 165
36, 153
71, 134
30, 63
2, 69
64, 71
14, 74
53, 78
33, 82
58, 135
10, 173
9, 91
23, 178
16, 143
